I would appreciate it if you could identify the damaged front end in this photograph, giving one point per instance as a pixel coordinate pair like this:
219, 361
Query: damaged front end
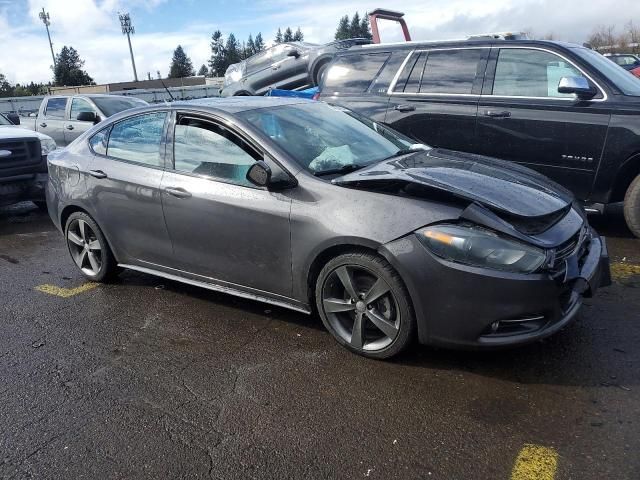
514, 265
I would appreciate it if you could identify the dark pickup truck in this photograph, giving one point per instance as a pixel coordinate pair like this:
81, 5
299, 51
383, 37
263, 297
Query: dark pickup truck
23, 163
558, 108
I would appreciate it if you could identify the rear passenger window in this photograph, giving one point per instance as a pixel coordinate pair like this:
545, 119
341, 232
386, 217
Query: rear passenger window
137, 139
56, 107
99, 141
353, 73
522, 72
415, 76
442, 71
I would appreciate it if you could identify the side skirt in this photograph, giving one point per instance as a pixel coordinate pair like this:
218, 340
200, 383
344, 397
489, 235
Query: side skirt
218, 288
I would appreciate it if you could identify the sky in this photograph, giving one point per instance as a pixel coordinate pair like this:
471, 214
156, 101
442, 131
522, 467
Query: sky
93, 29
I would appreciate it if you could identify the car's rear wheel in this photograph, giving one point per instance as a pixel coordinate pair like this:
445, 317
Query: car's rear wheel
632, 207
364, 304
88, 248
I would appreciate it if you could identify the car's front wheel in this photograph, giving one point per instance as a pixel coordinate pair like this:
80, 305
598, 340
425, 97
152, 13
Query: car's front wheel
632, 207
88, 248
364, 304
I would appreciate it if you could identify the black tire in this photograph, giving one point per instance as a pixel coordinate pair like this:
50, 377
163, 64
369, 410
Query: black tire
320, 71
108, 266
41, 204
632, 207
394, 305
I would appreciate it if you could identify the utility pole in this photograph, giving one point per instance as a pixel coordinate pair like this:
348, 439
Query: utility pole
127, 29
44, 16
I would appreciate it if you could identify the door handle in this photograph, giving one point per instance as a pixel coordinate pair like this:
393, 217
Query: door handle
43, 125
277, 67
69, 127
177, 192
494, 114
405, 108
97, 173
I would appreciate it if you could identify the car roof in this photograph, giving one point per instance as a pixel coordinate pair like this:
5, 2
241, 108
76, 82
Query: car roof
239, 104
485, 42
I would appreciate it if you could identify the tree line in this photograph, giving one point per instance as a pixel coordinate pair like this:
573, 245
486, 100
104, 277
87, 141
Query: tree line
69, 69
607, 39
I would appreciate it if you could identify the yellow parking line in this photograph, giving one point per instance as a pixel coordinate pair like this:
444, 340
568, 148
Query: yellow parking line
535, 462
622, 270
65, 292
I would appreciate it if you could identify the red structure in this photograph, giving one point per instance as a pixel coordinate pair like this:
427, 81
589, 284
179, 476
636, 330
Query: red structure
383, 14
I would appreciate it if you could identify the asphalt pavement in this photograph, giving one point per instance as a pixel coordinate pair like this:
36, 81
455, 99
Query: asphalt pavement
148, 378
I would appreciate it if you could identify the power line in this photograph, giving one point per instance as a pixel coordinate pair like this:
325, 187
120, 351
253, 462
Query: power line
128, 29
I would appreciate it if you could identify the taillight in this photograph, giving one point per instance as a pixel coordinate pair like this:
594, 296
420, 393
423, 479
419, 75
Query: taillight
316, 96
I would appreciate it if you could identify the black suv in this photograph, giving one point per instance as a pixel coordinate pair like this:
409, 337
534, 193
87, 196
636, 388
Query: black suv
558, 108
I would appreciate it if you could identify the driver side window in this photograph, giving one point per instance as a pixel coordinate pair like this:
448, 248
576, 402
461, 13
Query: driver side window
79, 105
207, 149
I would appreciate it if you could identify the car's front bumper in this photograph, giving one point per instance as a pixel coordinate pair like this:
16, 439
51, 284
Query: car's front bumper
458, 305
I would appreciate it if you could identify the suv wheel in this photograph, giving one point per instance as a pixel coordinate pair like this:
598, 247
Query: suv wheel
88, 248
632, 207
364, 304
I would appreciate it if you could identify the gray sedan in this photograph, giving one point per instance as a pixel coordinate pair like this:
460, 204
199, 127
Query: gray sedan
310, 207
289, 66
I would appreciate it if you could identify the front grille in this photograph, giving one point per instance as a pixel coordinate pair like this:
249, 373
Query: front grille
23, 153
578, 245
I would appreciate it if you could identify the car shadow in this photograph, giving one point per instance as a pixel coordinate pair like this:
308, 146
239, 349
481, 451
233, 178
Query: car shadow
24, 218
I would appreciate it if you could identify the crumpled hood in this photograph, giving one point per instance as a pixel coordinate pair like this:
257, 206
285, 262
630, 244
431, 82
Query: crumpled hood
497, 184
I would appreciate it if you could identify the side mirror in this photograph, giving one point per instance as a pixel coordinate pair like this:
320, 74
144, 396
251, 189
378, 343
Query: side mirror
13, 118
578, 85
293, 53
88, 117
259, 174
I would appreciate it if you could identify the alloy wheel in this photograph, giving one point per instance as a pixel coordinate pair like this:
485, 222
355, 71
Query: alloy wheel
85, 247
361, 308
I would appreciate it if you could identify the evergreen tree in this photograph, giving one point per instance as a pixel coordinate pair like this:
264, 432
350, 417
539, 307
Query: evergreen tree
232, 51
217, 62
6, 90
258, 43
203, 70
181, 65
298, 36
365, 30
278, 38
342, 32
354, 27
251, 46
288, 35
68, 70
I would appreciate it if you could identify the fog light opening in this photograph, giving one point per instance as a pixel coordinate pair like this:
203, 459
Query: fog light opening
516, 326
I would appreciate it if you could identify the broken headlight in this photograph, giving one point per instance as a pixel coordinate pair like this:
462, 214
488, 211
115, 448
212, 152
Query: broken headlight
478, 247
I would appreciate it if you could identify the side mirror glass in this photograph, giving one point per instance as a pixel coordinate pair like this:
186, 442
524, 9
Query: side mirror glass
88, 117
293, 53
578, 85
13, 118
259, 174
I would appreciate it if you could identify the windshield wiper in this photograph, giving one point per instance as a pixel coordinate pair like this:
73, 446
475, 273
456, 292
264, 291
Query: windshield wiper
344, 169
401, 152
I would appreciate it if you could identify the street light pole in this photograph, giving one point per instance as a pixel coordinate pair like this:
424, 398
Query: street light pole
127, 29
44, 16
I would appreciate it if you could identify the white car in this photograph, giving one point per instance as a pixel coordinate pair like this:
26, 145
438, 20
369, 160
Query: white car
23, 163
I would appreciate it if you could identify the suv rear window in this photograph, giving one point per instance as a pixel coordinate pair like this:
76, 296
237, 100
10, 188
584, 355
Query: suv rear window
353, 73
441, 71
